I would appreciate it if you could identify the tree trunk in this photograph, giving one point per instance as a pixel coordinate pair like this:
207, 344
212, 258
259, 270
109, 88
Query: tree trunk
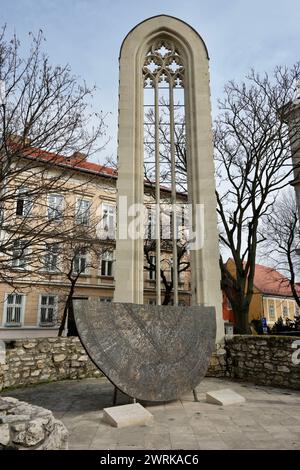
242, 320
72, 328
63, 321
66, 310
167, 297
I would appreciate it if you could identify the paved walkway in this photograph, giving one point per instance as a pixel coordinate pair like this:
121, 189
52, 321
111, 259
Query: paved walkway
270, 418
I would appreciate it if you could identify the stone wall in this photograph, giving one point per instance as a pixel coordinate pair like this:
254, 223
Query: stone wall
265, 360
44, 359
218, 366
25, 427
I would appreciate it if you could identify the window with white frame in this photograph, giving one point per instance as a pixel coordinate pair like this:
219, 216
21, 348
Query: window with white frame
14, 307
51, 257
82, 215
152, 270
55, 207
19, 254
109, 220
150, 222
149, 226
80, 261
285, 311
297, 310
107, 260
24, 202
48, 309
179, 225
271, 312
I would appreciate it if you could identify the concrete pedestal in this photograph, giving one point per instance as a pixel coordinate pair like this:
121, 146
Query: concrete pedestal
127, 415
224, 397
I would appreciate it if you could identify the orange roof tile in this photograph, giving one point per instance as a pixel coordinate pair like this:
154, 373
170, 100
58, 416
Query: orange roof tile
270, 281
76, 163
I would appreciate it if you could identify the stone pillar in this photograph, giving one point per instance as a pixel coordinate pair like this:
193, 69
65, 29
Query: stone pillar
294, 128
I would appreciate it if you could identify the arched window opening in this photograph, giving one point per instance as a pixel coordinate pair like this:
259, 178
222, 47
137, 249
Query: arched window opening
165, 139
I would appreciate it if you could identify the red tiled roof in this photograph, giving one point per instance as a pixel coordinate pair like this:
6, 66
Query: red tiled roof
74, 163
270, 281
77, 164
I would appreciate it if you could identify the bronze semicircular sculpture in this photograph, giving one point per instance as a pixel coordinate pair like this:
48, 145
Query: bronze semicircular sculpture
149, 352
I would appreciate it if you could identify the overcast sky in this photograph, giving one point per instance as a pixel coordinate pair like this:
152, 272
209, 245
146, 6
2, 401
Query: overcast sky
87, 34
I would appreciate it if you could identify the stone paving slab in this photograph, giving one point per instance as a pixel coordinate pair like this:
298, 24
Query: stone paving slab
269, 419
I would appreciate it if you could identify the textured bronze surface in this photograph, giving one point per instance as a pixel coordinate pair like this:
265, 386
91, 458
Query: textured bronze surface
152, 353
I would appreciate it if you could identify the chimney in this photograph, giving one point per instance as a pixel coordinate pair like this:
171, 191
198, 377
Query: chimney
18, 140
77, 157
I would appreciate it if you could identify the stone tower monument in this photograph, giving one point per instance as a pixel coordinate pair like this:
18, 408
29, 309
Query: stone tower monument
293, 121
155, 352
163, 53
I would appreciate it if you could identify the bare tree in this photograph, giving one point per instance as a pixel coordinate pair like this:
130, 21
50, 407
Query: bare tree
78, 257
165, 146
183, 263
44, 114
71, 256
282, 245
253, 160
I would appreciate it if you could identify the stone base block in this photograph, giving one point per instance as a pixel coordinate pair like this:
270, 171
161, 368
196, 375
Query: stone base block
224, 397
127, 415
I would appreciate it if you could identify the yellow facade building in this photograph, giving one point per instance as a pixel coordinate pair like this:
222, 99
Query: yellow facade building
33, 305
272, 297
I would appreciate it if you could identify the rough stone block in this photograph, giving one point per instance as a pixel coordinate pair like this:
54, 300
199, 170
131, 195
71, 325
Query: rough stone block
4, 434
223, 397
29, 345
59, 357
83, 358
14, 418
127, 415
2, 352
35, 428
283, 369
